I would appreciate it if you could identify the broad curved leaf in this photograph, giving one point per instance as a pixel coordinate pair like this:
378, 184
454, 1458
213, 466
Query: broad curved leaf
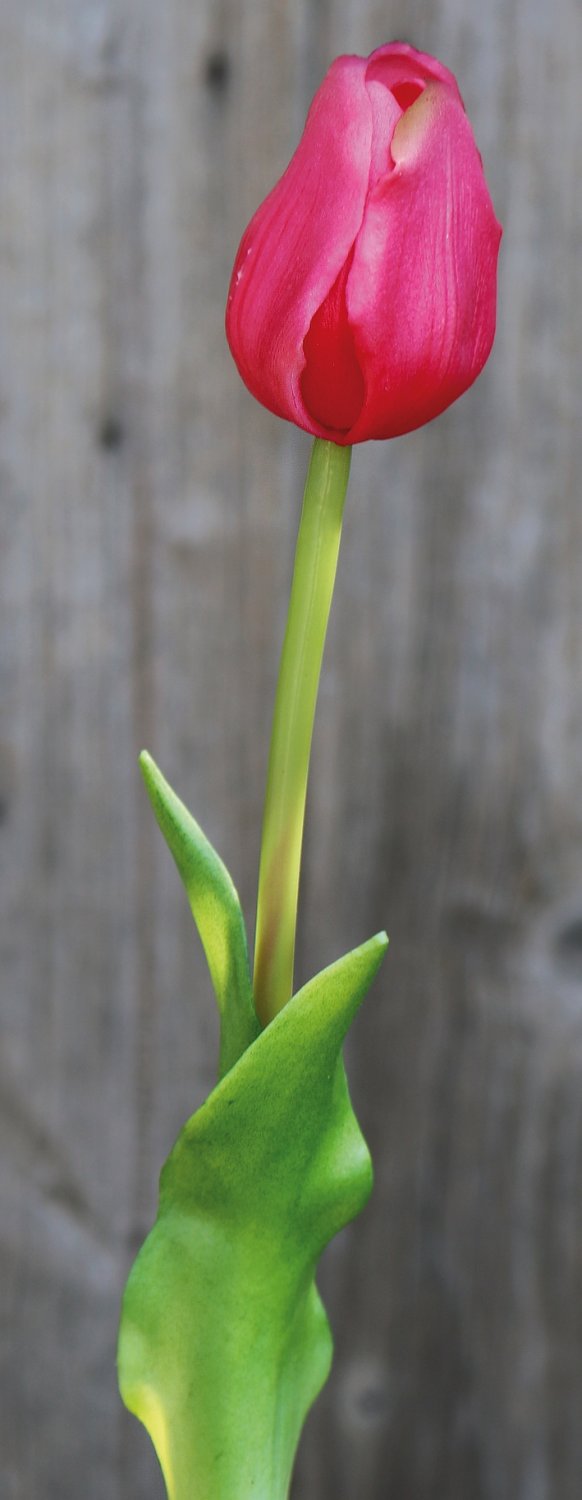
224, 1342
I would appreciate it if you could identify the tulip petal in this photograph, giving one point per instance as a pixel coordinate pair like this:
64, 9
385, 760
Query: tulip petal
405, 72
299, 240
332, 383
420, 295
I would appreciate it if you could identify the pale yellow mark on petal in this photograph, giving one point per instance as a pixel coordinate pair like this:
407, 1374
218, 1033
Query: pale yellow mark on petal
409, 133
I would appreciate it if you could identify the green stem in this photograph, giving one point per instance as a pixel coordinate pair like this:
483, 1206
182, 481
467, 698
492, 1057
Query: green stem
309, 606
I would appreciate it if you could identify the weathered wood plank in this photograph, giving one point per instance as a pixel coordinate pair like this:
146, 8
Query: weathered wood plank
148, 514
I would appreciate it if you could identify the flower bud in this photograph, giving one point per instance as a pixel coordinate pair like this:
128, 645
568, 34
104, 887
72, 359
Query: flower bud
363, 295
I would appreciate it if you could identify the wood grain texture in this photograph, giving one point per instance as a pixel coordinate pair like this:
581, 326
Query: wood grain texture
148, 514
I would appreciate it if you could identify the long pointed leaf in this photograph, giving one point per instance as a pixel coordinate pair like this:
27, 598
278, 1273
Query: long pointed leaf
217, 913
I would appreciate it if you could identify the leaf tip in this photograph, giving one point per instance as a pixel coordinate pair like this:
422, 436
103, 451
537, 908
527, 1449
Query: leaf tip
155, 784
146, 763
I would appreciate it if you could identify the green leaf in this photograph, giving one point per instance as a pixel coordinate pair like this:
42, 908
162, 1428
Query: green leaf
224, 1342
217, 913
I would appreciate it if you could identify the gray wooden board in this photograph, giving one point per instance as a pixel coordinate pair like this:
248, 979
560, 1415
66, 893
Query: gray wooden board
148, 515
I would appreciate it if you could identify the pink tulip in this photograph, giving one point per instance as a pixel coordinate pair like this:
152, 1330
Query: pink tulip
362, 300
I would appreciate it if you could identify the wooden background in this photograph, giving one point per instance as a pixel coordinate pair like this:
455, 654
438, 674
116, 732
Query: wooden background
148, 517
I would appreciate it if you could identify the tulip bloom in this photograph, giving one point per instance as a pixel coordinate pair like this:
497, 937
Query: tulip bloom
362, 300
